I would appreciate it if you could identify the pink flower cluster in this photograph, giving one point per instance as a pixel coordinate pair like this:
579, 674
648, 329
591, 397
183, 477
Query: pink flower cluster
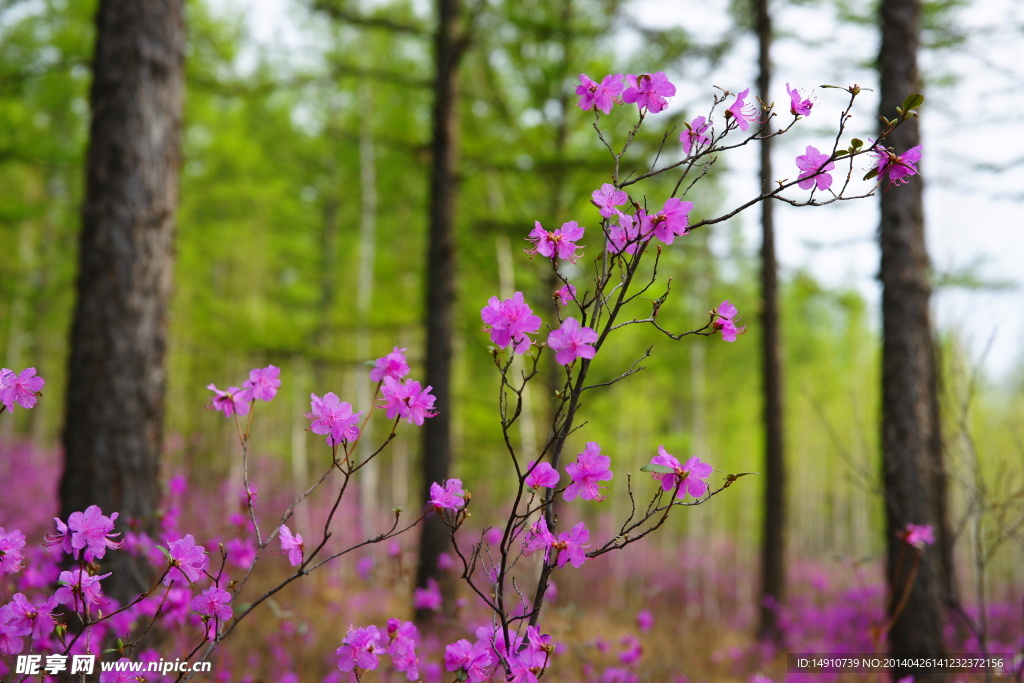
648, 91
262, 384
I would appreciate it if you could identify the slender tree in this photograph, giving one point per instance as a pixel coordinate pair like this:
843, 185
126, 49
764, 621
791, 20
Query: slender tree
913, 476
440, 291
116, 377
773, 568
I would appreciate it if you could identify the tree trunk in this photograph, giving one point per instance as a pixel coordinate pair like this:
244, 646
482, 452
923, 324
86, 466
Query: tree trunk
116, 378
773, 569
911, 442
440, 292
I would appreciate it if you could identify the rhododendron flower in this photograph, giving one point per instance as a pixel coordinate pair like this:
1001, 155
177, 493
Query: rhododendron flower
402, 650
541, 475
571, 341
91, 530
407, 400
232, 401
601, 96
896, 167
571, 544
475, 659
188, 561
744, 113
392, 365
648, 91
797, 106
20, 388
509, 322
213, 602
263, 383
360, 649
670, 222
538, 537
451, 496
28, 618
566, 294
11, 558
558, 244
590, 467
810, 163
693, 135
291, 544
78, 589
919, 535
10, 635
625, 235
333, 417
692, 474
644, 620
726, 317
428, 597
607, 198
240, 552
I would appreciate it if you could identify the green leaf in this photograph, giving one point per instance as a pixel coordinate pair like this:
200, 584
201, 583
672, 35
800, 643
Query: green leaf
660, 469
913, 102
165, 551
871, 174
842, 153
856, 143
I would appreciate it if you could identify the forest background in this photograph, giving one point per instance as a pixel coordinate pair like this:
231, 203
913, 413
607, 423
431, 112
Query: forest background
303, 198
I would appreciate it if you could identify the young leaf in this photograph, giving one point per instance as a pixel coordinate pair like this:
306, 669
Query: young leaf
913, 102
659, 469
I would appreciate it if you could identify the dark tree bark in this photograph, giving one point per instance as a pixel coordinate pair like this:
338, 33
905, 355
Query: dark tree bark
913, 475
773, 549
440, 304
116, 378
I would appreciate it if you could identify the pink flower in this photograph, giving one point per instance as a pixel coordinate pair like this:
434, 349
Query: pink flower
240, 552
566, 294
124, 676
571, 341
798, 107
188, 561
896, 167
644, 620
333, 417
919, 535
541, 475
360, 649
213, 602
11, 558
21, 388
648, 91
451, 496
570, 546
407, 400
810, 163
91, 530
291, 544
607, 198
509, 322
692, 474
601, 96
263, 383
26, 618
392, 365
78, 589
538, 537
745, 114
726, 316
474, 659
590, 468
625, 235
233, 401
693, 136
428, 597
558, 244
670, 222
402, 650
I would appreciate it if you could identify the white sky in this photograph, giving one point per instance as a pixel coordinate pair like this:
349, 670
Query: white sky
973, 216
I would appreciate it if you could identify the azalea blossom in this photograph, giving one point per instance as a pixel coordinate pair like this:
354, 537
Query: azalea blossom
692, 474
213, 602
509, 321
560, 243
542, 474
333, 417
648, 91
600, 96
391, 365
607, 198
797, 106
263, 383
20, 388
571, 341
292, 545
566, 294
407, 400
810, 163
230, 401
590, 468
919, 535
671, 222
725, 321
896, 167
188, 561
693, 136
360, 649
451, 496
744, 113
